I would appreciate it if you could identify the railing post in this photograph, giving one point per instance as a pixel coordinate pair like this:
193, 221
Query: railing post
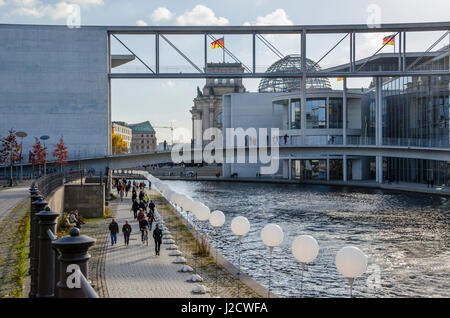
74, 256
46, 285
37, 206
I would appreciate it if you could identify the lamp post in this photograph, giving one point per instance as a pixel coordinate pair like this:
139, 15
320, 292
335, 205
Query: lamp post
351, 262
305, 249
272, 235
240, 227
44, 138
217, 219
21, 135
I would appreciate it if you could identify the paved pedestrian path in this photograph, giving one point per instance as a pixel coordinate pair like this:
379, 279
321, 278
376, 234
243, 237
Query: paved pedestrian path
10, 198
135, 271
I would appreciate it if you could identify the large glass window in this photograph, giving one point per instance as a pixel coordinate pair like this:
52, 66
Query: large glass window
335, 113
316, 113
295, 114
309, 169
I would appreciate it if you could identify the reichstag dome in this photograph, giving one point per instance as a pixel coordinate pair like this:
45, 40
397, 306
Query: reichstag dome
291, 64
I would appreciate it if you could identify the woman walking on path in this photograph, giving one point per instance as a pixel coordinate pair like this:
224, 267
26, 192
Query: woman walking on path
121, 193
157, 236
135, 208
113, 229
126, 230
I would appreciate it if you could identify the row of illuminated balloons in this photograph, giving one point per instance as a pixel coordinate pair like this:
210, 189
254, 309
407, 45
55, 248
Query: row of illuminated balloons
351, 262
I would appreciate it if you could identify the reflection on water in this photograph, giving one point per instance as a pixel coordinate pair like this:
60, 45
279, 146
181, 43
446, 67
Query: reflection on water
405, 236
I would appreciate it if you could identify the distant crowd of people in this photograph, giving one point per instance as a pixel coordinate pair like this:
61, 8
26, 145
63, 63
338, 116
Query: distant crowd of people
143, 209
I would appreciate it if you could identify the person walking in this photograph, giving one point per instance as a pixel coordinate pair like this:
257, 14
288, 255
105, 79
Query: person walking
134, 195
151, 205
127, 189
121, 193
113, 229
150, 219
126, 230
135, 208
157, 236
143, 224
141, 215
141, 195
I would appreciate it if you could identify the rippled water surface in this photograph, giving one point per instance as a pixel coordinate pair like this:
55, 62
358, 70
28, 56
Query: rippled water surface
406, 236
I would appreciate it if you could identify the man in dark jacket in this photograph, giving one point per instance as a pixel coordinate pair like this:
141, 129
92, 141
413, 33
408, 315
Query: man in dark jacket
126, 230
113, 229
135, 208
151, 205
157, 236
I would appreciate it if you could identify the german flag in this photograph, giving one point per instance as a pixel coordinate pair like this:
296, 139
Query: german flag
218, 43
389, 40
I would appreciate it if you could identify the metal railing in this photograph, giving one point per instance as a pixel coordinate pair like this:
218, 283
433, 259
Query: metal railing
56, 263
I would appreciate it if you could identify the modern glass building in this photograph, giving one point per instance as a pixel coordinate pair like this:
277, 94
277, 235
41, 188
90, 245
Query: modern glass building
401, 124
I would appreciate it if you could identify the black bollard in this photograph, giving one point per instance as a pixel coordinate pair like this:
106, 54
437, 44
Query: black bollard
46, 268
73, 250
36, 207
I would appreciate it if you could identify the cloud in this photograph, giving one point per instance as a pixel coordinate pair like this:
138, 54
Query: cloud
200, 15
2, 3
162, 14
277, 17
25, 3
86, 3
141, 23
59, 10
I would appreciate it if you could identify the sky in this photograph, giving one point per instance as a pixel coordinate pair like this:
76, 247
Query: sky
167, 102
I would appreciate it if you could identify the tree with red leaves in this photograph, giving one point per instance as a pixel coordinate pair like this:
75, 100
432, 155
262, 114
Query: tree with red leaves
10, 151
61, 153
38, 154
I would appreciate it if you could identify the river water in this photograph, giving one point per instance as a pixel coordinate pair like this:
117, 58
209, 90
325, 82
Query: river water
405, 236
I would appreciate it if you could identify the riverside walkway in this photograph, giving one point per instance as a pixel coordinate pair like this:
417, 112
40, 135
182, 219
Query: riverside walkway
10, 198
135, 271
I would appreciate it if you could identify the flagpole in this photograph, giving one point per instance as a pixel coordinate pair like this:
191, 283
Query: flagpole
223, 50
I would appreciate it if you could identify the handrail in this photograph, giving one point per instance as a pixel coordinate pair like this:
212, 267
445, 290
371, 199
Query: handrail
86, 287
51, 235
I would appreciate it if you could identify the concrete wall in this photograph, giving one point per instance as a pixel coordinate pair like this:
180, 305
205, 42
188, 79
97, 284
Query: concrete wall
53, 81
56, 200
88, 199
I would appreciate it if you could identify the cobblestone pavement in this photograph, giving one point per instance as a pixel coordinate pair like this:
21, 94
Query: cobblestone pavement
11, 198
135, 271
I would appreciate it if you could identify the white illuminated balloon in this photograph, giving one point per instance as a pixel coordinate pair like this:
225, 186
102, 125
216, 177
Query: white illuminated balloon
188, 203
202, 212
240, 225
272, 235
217, 218
351, 262
305, 248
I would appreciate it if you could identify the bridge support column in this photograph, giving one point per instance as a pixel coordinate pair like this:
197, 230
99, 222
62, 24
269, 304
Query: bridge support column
379, 169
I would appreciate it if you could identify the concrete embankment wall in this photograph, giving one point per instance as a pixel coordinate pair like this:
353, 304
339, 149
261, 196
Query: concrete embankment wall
415, 188
88, 199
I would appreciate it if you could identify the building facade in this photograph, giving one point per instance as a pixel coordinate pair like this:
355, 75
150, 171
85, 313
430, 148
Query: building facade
143, 137
121, 128
208, 103
394, 115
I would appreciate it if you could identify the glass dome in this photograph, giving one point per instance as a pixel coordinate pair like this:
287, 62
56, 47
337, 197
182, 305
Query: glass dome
291, 64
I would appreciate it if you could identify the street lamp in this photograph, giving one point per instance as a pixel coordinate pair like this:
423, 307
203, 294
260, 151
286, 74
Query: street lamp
240, 226
21, 135
351, 262
272, 235
44, 138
